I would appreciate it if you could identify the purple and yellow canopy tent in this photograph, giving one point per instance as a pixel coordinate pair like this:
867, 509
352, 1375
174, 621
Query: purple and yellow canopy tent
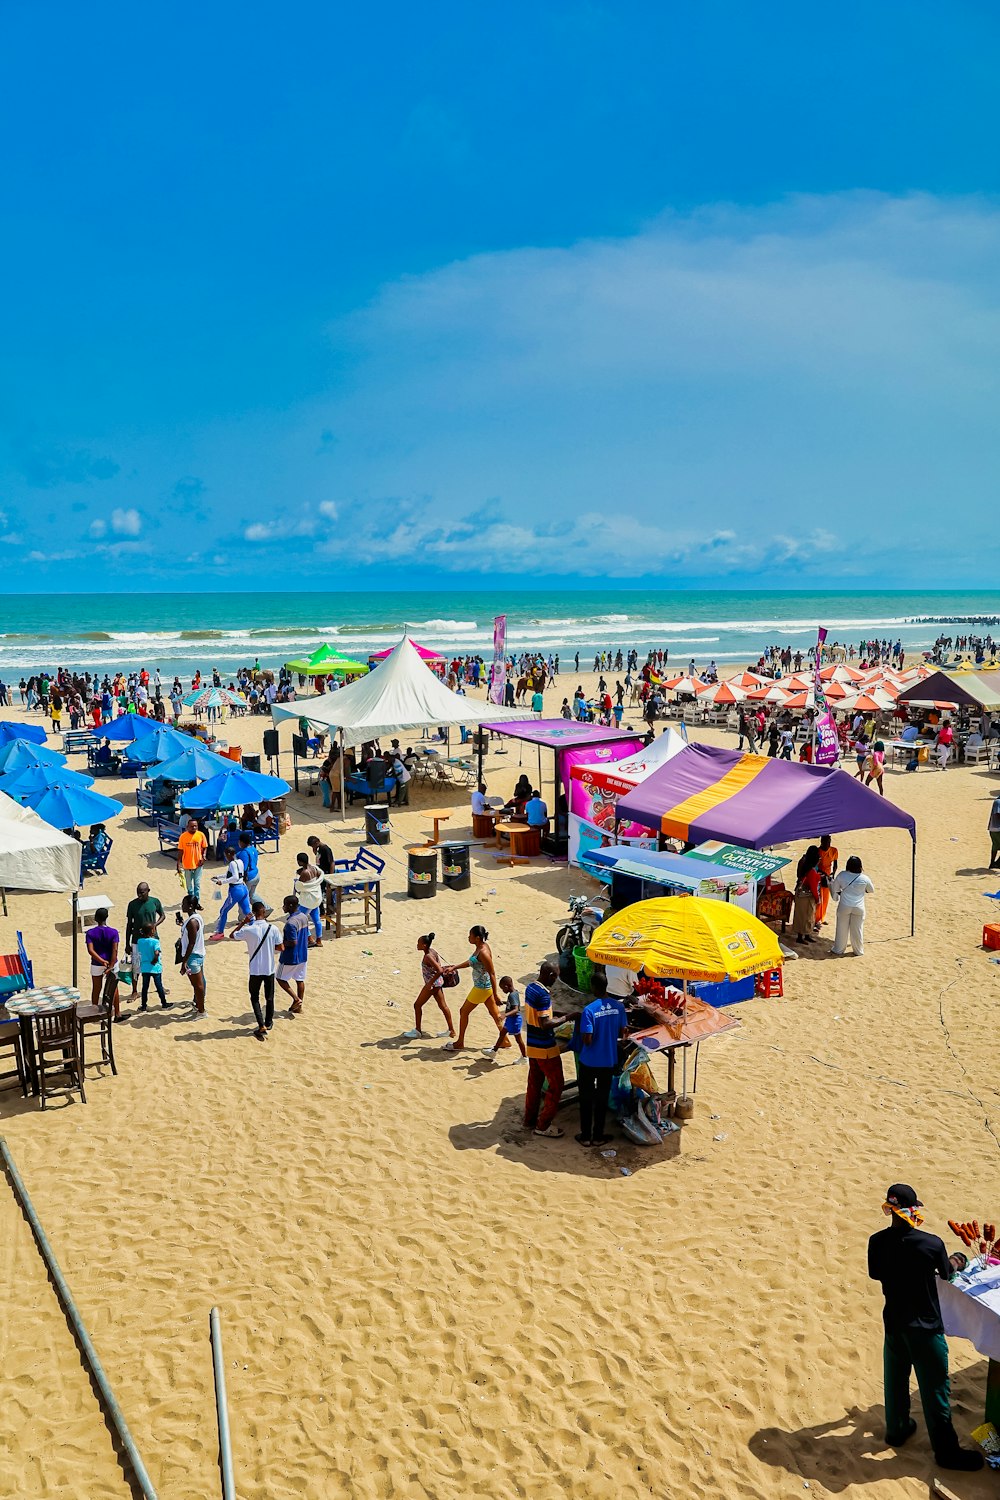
706, 792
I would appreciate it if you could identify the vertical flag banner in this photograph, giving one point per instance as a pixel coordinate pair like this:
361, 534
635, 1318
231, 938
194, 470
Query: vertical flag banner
498, 670
826, 746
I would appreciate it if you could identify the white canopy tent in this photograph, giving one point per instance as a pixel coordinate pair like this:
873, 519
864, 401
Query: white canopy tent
400, 693
34, 856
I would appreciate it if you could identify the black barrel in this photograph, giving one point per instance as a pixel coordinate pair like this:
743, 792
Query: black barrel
251, 763
422, 872
377, 824
455, 872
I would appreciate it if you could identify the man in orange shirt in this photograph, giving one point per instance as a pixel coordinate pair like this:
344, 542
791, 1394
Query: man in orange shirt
829, 858
191, 847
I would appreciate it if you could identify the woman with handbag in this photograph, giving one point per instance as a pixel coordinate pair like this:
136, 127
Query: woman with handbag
807, 889
436, 978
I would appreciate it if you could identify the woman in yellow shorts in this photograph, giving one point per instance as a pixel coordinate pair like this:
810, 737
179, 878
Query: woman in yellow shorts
484, 987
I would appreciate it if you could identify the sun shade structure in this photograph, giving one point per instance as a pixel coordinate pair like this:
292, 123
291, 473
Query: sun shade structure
963, 689
214, 697
158, 744
17, 755
424, 652
71, 806
325, 661
686, 937
34, 856
37, 778
126, 727
710, 793
193, 763
232, 788
11, 730
402, 694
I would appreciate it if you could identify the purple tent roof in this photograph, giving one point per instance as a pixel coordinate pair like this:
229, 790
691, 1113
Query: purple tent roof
559, 734
709, 793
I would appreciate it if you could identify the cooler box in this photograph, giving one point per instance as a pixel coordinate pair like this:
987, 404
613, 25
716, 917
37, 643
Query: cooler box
991, 935
728, 992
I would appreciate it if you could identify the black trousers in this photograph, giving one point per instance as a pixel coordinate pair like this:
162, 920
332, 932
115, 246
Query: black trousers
257, 981
595, 1086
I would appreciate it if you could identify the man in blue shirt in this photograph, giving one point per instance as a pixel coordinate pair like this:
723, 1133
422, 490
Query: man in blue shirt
601, 1024
294, 954
536, 812
247, 857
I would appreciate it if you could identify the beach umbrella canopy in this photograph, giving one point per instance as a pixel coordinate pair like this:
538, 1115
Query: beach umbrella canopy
799, 701
723, 693
692, 686
16, 755
36, 778
10, 730
232, 788
746, 680
193, 763
838, 672
686, 937
160, 743
70, 806
127, 727
215, 697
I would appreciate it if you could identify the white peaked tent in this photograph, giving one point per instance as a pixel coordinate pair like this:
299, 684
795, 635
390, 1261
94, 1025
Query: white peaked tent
401, 693
34, 856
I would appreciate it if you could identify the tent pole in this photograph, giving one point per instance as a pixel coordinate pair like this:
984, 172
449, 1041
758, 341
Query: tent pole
913, 887
76, 910
343, 792
479, 754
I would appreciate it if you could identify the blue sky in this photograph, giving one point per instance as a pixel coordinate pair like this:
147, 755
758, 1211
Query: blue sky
381, 295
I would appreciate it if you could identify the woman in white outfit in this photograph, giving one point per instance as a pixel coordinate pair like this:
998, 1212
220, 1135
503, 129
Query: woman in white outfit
849, 889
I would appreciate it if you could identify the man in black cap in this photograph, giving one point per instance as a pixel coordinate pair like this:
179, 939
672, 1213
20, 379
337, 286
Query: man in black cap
908, 1263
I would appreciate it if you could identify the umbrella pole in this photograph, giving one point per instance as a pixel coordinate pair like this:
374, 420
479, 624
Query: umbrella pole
75, 925
684, 1050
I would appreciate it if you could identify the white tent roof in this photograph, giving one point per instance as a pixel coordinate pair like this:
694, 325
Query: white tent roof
640, 764
401, 693
33, 855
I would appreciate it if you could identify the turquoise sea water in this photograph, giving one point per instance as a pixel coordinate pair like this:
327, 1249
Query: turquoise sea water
178, 632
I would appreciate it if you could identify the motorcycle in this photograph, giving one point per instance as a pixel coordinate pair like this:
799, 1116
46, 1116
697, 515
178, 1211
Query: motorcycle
585, 916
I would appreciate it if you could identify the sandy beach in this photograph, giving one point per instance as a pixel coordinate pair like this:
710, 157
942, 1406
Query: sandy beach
422, 1300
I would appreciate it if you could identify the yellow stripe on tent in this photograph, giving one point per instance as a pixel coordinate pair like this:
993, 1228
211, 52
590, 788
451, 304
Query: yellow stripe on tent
677, 820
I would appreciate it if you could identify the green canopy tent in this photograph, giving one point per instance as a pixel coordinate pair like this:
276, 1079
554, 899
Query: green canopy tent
328, 661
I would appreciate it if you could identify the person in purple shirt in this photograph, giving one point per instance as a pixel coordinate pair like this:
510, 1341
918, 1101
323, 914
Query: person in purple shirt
102, 946
601, 1024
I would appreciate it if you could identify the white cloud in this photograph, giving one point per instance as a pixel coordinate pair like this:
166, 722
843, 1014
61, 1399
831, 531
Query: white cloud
97, 528
822, 365
126, 522
271, 531
329, 509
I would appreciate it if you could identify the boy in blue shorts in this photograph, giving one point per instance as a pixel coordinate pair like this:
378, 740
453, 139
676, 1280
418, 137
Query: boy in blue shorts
513, 1023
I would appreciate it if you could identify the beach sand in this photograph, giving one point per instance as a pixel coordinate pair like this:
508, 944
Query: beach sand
421, 1300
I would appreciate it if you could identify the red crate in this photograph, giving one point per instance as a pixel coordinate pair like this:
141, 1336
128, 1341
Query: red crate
991, 935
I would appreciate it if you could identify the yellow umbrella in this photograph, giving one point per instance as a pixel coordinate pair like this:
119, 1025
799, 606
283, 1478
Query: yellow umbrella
686, 937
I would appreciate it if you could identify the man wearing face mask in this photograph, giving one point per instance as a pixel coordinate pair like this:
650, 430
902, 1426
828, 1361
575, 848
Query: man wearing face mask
909, 1263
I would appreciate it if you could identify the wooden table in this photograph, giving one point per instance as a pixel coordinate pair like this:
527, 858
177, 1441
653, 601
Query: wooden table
437, 818
524, 841
25, 1005
365, 884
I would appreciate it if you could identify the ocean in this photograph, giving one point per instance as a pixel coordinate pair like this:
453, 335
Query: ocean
180, 632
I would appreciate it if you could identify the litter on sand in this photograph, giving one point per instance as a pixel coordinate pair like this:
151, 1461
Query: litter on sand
609, 1153
625, 1171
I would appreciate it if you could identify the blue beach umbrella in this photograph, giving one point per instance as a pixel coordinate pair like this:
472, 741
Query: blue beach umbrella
232, 789
71, 806
18, 755
159, 744
38, 778
10, 730
193, 763
127, 727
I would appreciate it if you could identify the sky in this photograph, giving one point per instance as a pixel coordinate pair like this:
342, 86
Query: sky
574, 294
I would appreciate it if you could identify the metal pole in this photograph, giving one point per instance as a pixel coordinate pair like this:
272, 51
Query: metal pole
76, 923
913, 887
343, 792
222, 1409
76, 1323
479, 753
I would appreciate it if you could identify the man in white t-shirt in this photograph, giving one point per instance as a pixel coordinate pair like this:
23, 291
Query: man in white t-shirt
261, 938
479, 803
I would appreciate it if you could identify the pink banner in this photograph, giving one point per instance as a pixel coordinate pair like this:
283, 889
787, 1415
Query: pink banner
498, 669
827, 742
